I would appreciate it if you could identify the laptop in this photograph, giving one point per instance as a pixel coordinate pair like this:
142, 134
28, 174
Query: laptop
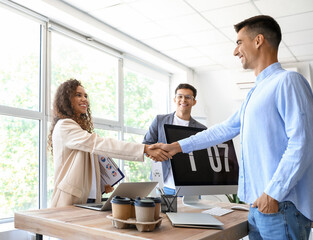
124, 189
194, 220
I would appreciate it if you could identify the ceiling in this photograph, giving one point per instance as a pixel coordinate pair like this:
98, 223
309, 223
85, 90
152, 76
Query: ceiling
200, 33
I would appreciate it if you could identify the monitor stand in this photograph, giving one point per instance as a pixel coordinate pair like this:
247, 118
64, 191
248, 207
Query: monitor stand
195, 202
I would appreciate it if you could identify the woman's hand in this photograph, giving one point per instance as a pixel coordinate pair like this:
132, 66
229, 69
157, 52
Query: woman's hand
108, 188
171, 149
157, 154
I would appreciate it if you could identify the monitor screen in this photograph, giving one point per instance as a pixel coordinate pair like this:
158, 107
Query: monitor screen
204, 172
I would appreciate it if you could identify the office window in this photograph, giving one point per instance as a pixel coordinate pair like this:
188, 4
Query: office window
97, 71
106, 133
136, 171
19, 61
145, 97
25, 116
50, 176
19, 178
20, 116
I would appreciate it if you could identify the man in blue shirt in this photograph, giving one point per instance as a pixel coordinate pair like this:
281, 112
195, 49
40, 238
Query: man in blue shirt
275, 124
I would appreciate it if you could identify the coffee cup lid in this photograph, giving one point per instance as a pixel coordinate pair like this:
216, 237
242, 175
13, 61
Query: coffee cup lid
120, 200
144, 203
155, 199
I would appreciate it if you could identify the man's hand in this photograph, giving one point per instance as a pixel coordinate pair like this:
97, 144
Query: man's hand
157, 154
108, 188
172, 148
266, 204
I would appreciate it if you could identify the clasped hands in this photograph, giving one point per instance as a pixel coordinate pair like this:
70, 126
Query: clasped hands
162, 152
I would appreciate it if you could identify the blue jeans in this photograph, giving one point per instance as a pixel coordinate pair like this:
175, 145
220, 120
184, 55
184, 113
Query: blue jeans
287, 224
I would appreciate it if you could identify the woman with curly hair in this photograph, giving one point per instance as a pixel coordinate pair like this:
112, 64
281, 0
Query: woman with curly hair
75, 147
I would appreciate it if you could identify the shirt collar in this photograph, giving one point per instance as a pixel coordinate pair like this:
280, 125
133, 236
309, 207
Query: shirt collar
267, 72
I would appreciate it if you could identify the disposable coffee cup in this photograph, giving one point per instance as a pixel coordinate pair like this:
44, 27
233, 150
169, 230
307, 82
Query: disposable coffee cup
144, 210
132, 211
121, 207
157, 202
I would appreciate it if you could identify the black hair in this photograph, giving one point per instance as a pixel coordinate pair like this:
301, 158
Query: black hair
187, 86
262, 24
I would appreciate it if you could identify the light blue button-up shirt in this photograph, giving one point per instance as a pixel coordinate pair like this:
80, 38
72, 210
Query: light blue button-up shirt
276, 126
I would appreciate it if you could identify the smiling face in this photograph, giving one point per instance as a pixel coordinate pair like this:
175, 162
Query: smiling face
184, 100
246, 49
80, 101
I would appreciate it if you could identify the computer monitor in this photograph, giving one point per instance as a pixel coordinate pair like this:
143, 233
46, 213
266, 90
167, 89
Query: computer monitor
204, 172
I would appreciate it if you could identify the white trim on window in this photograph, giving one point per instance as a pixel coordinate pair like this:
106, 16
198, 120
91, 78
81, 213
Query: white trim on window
21, 113
44, 112
84, 38
135, 130
17, 8
43, 178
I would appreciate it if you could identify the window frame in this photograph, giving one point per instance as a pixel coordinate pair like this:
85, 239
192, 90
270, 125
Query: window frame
44, 113
33, 114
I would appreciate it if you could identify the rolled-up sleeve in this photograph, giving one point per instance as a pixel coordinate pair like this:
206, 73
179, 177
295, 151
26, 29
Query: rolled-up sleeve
295, 106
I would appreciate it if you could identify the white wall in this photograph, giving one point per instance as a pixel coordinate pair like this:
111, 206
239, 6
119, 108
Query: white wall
219, 96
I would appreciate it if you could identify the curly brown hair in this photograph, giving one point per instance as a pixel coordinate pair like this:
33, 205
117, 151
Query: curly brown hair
62, 108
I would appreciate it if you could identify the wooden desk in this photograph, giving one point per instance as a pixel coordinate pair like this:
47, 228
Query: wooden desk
78, 223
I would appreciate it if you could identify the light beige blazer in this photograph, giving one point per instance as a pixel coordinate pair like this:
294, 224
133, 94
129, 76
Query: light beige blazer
72, 147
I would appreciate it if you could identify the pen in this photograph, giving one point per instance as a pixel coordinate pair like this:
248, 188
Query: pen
166, 201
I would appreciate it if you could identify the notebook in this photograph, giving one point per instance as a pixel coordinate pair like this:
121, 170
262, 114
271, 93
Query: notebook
194, 220
124, 189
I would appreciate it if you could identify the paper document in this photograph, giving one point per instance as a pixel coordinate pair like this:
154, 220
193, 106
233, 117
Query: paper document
110, 173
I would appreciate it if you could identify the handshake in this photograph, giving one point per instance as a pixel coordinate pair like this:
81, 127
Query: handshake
162, 152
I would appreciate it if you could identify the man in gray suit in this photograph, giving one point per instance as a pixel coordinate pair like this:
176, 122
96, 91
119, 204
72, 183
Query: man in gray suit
185, 99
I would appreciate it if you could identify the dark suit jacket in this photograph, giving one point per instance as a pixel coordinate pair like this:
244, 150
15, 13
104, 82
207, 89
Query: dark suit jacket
156, 134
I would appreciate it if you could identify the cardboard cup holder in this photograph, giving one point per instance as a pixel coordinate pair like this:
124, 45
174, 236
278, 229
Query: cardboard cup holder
131, 222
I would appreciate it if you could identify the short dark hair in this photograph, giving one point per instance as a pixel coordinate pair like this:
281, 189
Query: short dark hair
262, 24
187, 86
